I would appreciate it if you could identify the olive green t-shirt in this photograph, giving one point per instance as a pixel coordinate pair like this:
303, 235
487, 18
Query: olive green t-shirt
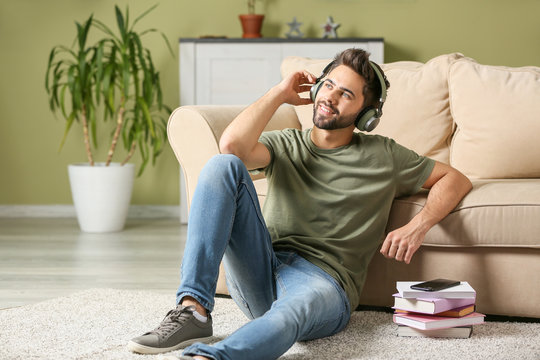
331, 205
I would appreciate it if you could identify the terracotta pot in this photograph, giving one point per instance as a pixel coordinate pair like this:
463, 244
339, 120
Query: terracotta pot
251, 25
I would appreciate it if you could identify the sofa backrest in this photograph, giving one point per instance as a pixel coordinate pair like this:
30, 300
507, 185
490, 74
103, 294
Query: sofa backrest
417, 111
497, 113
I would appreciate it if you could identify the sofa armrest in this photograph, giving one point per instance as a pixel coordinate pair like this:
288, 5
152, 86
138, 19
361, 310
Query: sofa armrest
194, 133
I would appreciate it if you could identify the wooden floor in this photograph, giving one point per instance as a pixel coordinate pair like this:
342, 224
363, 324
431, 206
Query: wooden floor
43, 258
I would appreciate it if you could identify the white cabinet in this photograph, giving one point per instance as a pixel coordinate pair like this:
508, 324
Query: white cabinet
239, 71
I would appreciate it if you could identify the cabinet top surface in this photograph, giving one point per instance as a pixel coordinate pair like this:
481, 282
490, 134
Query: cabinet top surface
278, 40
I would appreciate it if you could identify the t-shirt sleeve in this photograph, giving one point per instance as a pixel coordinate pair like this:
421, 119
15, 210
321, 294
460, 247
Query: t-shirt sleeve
270, 139
411, 170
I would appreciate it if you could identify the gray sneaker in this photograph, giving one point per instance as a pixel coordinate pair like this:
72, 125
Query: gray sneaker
178, 329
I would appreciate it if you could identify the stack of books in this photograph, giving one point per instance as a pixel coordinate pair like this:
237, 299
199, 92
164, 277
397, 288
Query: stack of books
446, 313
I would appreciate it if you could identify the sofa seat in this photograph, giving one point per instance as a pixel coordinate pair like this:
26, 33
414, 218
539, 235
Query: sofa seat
502, 212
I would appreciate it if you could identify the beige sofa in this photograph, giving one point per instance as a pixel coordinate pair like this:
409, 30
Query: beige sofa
483, 120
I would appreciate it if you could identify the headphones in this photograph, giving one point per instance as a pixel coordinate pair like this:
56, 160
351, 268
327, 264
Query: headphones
369, 117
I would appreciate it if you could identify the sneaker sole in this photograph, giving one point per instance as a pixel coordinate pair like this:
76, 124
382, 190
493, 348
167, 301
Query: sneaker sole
143, 349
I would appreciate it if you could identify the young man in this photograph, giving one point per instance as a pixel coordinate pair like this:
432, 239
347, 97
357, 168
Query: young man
298, 271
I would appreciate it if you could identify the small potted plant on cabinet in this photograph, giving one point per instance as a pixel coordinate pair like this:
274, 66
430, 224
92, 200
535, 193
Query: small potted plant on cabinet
115, 77
251, 22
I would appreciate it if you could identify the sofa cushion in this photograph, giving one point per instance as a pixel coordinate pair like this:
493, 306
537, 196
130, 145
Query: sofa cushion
417, 111
497, 112
499, 213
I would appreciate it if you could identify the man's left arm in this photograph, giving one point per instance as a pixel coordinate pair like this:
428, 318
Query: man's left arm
447, 187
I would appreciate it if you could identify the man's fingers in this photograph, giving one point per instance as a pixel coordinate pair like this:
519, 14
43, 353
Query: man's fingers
310, 77
304, 101
393, 249
399, 253
304, 88
409, 254
400, 245
384, 248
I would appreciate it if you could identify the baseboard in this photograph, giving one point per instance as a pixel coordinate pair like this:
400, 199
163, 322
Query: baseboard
68, 211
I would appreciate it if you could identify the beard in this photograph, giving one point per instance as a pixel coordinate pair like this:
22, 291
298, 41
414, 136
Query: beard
331, 122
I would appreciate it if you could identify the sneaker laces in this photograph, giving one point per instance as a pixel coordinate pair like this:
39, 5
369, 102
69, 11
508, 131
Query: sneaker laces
173, 318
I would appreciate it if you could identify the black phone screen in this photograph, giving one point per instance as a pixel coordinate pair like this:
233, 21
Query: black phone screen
435, 285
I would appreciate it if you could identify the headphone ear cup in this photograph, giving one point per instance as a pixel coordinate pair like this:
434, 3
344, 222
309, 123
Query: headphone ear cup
367, 119
314, 90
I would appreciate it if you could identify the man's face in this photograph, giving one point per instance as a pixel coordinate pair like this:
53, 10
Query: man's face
339, 99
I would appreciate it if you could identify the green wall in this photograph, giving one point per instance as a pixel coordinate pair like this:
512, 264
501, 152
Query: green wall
32, 171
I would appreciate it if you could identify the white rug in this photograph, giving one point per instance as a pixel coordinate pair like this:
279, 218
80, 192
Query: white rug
97, 323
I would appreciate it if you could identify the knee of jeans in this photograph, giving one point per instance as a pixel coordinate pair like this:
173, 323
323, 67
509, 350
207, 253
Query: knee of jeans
310, 320
291, 312
223, 164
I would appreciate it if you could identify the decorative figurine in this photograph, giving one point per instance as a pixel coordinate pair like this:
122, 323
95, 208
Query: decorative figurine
294, 30
330, 28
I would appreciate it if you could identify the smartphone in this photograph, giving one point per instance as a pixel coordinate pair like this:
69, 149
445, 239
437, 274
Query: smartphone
435, 285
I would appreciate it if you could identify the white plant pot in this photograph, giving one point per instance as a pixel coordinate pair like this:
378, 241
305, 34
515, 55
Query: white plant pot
101, 195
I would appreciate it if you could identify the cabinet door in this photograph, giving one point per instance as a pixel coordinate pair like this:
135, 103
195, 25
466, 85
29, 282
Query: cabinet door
235, 73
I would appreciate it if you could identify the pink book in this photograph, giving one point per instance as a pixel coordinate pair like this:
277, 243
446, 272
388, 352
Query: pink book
429, 322
430, 306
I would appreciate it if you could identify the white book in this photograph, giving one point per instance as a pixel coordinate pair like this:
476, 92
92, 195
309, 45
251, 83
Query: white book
455, 332
461, 291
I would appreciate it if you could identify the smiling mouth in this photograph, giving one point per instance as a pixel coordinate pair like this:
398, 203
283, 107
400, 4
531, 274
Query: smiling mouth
327, 109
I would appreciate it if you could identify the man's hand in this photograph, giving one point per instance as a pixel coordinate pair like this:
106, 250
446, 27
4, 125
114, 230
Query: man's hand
447, 187
293, 85
402, 243
241, 137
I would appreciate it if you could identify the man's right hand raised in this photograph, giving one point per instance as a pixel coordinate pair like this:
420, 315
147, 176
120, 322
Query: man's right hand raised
293, 85
241, 137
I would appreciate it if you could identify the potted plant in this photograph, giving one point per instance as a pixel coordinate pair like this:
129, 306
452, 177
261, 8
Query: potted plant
114, 77
251, 22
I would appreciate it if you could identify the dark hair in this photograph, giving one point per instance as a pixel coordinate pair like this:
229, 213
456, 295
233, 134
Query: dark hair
358, 60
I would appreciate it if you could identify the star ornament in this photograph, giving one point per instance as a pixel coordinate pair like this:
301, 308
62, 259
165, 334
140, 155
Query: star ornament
294, 29
330, 28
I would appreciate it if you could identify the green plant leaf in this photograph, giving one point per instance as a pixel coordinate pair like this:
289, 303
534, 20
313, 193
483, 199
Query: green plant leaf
104, 28
120, 22
168, 43
98, 62
49, 66
87, 30
82, 32
62, 102
144, 155
92, 127
69, 122
143, 15
126, 74
72, 87
147, 116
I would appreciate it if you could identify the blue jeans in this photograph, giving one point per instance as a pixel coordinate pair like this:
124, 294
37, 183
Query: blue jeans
287, 297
